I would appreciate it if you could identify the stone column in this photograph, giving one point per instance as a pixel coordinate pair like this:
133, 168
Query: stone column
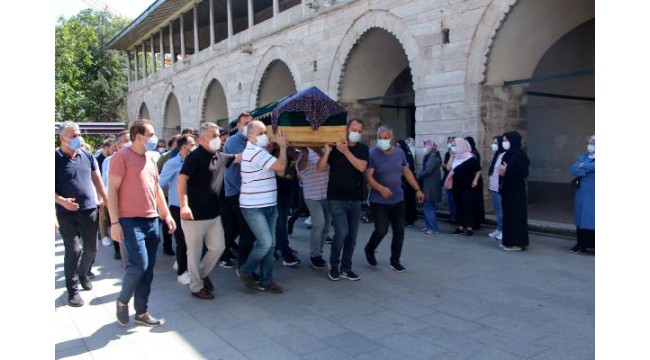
229, 12
196, 29
136, 67
130, 75
144, 59
153, 56
276, 7
251, 14
182, 38
211, 23
162, 49
171, 42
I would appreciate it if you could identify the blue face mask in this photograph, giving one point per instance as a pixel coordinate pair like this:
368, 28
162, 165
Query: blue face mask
152, 144
75, 143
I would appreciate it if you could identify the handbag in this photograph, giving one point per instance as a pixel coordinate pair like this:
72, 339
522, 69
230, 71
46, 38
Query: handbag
449, 181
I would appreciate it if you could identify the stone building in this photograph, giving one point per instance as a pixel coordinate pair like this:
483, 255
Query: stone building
429, 68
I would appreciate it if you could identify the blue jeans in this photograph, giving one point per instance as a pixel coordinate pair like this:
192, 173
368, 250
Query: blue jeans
320, 225
346, 215
141, 239
498, 210
452, 204
430, 219
261, 221
281, 231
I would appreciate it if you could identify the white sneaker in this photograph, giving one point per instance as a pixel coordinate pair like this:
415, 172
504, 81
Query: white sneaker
500, 236
511, 248
308, 221
184, 278
175, 266
106, 241
493, 234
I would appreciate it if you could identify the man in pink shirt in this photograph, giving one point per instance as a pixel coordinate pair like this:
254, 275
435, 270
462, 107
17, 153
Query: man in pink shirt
135, 202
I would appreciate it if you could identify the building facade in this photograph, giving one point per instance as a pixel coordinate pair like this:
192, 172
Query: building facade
429, 68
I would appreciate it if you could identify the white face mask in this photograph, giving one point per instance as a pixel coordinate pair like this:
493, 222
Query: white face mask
591, 148
244, 131
354, 136
506, 144
495, 147
215, 144
453, 149
262, 140
383, 144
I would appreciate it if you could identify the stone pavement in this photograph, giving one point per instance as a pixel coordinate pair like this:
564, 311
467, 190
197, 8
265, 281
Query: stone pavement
460, 298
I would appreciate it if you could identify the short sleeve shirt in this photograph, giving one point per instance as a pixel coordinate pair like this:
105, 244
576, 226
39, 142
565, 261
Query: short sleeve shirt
203, 202
138, 191
73, 179
388, 169
345, 181
258, 184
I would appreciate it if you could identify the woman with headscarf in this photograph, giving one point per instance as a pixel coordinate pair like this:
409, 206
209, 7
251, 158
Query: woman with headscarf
431, 185
513, 172
465, 171
477, 195
493, 185
409, 194
446, 166
585, 201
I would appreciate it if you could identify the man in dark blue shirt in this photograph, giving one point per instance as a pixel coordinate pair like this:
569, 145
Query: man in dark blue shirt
78, 190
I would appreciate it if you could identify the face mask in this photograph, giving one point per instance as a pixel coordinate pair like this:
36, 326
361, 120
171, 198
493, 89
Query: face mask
354, 136
161, 149
506, 145
591, 148
449, 146
453, 149
495, 147
215, 144
75, 143
244, 131
152, 143
383, 144
127, 144
262, 140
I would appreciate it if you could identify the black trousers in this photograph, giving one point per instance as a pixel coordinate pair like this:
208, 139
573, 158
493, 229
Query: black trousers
167, 237
383, 215
79, 253
235, 225
464, 208
181, 246
586, 238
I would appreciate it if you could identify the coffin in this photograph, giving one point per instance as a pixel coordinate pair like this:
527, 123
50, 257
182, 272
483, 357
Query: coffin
308, 118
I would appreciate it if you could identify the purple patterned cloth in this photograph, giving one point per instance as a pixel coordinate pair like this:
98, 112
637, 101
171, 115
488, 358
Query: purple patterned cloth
316, 106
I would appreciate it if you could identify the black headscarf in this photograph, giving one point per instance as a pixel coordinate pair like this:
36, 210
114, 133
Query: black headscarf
515, 145
475, 152
497, 153
407, 152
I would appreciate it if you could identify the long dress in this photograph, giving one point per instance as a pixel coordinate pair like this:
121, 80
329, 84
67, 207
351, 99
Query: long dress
585, 200
477, 197
513, 194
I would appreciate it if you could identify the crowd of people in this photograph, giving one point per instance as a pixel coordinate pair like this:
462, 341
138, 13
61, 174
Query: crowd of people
227, 199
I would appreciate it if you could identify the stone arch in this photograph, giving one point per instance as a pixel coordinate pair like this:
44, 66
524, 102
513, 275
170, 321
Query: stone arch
171, 115
369, 20
214, 102
272, 55
143, 112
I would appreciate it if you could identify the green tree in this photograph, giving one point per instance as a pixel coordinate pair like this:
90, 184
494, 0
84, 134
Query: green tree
90, 81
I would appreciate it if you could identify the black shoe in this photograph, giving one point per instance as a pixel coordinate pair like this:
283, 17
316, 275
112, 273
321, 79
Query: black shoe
75, 300
270, 287
293, 252
203, 294
90, 274
207, 283
350, 275
328, 240
147, 319
334, 273
248, 280
290, 261
458, 231
86, 284
577, 249
317, 263
117, 256
370, 257
168, 251
469, 233
397, 267
122, 312
226, 263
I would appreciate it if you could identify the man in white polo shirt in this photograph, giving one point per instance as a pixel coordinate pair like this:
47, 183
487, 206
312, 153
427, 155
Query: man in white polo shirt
258, 199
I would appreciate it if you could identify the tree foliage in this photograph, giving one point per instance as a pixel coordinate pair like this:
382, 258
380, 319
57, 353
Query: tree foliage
90, 81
